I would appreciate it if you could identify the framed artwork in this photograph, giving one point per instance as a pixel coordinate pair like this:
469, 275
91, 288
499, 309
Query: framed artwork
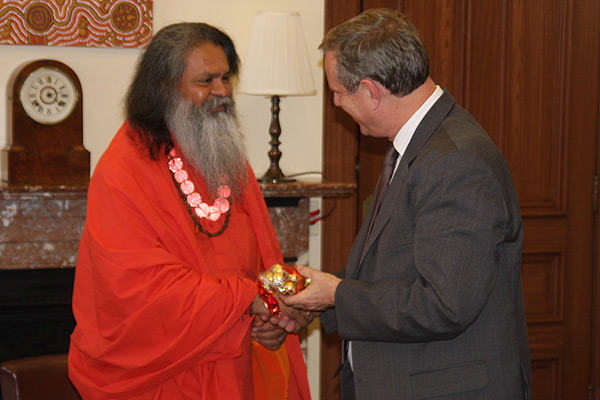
86, 23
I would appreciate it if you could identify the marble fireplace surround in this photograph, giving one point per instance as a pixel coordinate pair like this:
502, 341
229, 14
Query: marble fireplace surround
39, 238
41, 225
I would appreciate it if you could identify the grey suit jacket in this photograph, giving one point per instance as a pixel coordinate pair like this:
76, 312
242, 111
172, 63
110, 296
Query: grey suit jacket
435, 307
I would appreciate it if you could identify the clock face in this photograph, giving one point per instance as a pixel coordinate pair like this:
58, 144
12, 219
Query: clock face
48, 96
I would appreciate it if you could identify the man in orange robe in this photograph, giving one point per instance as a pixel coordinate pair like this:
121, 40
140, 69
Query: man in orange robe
176, 233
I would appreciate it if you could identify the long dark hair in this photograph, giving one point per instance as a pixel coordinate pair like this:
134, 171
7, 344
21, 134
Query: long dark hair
158, 73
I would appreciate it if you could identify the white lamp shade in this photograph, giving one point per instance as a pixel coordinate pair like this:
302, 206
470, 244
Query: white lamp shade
276, 61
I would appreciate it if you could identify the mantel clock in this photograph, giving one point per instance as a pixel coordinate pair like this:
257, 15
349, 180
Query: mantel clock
45, 127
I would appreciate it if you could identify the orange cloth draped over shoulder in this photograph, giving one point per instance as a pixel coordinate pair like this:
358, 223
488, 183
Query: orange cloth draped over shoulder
161, 309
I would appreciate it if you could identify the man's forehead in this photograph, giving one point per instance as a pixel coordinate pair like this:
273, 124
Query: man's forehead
208, 58
330, 59
331, 72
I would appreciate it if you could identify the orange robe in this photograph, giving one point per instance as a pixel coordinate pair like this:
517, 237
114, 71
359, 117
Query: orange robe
160, 310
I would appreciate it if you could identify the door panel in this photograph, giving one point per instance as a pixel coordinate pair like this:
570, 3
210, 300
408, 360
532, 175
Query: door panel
528, 71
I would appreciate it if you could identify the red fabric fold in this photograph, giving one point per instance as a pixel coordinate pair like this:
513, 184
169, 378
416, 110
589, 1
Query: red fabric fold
160, 310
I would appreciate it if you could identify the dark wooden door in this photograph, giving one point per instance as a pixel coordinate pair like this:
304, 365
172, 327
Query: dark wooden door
528, 70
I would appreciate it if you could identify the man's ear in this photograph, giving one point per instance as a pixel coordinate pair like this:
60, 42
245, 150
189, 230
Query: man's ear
373, 90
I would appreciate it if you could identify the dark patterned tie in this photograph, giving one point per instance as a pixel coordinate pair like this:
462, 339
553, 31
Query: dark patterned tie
389, 162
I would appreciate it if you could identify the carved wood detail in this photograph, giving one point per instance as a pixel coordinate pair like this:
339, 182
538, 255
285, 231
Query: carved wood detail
529, 72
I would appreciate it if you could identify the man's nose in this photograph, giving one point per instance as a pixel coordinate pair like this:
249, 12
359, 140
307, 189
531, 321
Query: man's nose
220, 88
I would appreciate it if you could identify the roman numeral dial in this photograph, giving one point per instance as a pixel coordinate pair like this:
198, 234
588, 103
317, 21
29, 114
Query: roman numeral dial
48, 96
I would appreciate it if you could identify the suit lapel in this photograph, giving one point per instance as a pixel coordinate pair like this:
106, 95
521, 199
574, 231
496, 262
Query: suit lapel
426, 128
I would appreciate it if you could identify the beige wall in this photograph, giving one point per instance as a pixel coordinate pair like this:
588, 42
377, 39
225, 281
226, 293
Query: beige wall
105, 73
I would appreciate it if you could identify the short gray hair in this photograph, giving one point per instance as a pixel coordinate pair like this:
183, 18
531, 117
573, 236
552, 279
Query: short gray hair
380, 44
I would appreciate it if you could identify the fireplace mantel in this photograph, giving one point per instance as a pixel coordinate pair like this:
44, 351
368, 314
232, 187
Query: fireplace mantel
39, 239
41, 225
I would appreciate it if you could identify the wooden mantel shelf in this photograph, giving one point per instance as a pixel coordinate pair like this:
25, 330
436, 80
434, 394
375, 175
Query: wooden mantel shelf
307, 189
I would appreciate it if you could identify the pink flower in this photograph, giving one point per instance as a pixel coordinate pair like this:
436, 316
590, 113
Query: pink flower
213, 213
202, 210
194, 199
181, 175
224, 191
222, 205
187, 187
175, 164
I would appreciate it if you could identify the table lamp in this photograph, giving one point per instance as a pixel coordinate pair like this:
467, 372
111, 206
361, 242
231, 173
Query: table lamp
276, 65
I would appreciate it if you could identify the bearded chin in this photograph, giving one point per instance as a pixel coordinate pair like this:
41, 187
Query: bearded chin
211, 142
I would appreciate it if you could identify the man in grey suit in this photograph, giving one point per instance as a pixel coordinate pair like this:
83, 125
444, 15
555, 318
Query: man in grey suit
430, 302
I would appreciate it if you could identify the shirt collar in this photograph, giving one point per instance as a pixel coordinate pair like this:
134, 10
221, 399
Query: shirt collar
402, 138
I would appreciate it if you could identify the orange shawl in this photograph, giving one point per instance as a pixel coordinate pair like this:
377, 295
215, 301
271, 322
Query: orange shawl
160, 310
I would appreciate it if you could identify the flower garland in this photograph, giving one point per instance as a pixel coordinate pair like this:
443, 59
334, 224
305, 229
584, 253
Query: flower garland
193, 201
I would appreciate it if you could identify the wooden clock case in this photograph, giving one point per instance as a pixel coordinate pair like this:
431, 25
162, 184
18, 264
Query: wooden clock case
43, 154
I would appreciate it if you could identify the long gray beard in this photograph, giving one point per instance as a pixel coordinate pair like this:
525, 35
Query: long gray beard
212, 143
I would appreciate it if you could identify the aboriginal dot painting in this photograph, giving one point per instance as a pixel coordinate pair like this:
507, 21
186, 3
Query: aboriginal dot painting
88, 23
